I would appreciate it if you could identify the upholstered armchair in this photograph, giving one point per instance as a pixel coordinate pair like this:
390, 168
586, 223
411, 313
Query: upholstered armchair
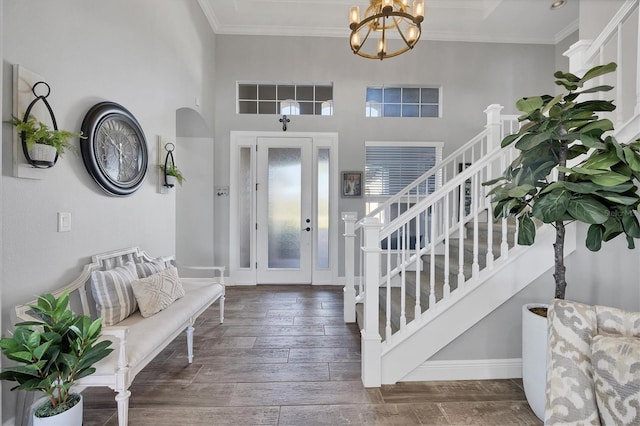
593, 365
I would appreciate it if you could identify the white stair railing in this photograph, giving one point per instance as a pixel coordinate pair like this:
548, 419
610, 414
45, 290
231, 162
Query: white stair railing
455, 262
619, 42
470, 153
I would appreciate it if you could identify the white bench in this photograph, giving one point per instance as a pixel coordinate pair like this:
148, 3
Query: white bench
137, 340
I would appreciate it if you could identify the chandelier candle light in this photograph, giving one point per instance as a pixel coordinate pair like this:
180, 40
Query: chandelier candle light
386, 19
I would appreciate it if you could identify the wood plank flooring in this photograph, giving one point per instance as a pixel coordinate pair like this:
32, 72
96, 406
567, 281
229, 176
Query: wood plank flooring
284, 357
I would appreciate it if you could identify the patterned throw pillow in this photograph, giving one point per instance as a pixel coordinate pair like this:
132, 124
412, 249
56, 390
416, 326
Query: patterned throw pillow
149, 268
113, 294
616, 373
157, 291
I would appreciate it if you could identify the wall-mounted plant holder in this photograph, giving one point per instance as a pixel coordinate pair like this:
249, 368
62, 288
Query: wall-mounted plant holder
41, 156
30, 92
167, 166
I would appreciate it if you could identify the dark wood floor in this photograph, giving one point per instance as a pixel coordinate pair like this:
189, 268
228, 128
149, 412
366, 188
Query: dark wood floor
285, 357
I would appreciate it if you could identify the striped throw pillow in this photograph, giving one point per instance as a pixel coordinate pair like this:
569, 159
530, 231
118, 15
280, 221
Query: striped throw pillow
113, 294
149, 268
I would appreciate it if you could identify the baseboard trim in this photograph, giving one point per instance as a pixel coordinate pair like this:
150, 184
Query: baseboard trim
482, 369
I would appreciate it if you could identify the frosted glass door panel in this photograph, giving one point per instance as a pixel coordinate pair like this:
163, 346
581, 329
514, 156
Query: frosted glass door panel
284, 210
322, 221
245, 208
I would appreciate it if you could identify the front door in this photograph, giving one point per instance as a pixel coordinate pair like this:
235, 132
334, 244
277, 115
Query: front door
284, 210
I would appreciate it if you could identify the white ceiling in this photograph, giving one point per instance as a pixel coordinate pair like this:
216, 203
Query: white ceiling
509, 21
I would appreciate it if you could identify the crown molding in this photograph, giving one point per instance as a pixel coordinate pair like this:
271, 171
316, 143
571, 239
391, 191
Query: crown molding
208, 12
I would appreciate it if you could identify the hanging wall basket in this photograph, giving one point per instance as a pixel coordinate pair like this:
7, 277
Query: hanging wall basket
40, 156
169, 163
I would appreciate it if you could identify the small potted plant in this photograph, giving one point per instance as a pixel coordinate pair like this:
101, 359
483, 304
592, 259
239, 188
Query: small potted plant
44, 143
600, 189
172, 175
51, 353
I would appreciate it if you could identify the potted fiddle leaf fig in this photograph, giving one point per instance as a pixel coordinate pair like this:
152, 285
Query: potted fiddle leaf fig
51, 354
569, 169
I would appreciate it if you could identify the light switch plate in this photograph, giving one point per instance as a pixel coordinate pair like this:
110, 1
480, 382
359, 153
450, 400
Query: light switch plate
64, 221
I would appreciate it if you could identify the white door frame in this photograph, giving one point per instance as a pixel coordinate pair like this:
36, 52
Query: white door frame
248, 139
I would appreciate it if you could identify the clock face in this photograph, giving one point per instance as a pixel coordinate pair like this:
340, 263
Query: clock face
115, 151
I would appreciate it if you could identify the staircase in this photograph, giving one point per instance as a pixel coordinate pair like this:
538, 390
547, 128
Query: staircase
435, 271
422, 284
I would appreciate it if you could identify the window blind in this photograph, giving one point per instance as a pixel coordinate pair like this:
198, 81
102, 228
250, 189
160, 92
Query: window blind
390, 168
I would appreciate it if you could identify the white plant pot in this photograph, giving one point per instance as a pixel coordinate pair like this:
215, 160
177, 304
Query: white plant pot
534, 358
172, 180
72, 417
41, 153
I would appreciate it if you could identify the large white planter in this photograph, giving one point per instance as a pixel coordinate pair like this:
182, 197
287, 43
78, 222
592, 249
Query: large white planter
534, 358
72, 417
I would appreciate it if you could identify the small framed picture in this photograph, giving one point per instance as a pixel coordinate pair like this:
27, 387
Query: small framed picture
352, 184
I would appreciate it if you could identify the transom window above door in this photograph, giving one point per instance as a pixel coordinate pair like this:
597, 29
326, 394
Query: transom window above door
402, 101
285, 98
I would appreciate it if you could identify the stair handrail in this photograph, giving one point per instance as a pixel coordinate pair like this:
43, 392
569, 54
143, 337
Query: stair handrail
448, 187
438, 168
585, 54
466, 151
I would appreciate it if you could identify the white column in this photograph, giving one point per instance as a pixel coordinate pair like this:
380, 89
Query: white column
370, 335
494, 126
349, 297
577, 54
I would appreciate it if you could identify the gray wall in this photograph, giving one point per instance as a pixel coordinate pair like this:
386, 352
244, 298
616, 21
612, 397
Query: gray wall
594, 16
473, 75
153, 60
562, 62
194, 157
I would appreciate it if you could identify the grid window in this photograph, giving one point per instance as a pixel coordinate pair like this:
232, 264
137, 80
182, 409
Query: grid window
289, 99
400, 101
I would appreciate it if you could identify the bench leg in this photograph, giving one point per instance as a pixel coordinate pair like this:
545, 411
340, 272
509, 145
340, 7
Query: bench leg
221, 309
190, 343
122, 398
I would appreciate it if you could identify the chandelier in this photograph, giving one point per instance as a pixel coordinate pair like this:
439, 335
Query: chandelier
390, 23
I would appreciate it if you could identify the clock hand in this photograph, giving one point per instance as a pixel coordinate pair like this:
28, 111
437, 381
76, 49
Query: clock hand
112, 142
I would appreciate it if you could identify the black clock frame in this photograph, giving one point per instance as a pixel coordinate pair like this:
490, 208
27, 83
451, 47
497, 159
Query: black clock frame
91, 125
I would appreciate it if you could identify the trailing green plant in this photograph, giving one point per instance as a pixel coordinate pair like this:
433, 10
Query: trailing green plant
53, 352
172, 170
37, 132
599, 190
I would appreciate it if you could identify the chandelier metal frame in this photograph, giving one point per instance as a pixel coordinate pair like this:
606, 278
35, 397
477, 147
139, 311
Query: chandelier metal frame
381, 17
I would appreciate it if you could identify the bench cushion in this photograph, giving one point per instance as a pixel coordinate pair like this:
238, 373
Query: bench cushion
148, 336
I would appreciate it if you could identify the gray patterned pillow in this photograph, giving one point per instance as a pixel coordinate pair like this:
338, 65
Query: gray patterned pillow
616, 373
113, 294
158, 291
149, 268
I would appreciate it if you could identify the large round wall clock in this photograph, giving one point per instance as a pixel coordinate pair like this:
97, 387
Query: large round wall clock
115, 150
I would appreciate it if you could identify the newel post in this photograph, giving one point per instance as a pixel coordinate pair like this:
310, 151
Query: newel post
577, 54
494, 126
349, 297
370, 335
